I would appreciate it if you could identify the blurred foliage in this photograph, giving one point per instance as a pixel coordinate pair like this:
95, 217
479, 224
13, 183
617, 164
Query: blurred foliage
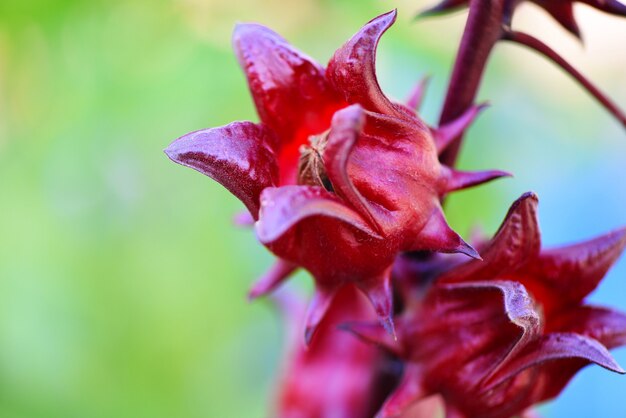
122, 279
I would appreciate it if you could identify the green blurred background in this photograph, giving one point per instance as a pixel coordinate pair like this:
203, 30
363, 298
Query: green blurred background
122, 278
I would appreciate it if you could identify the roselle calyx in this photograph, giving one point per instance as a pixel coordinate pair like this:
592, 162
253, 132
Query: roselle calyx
496, 337
338, 178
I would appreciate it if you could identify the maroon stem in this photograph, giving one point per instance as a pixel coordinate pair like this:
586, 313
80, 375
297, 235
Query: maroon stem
482, 31
538, 46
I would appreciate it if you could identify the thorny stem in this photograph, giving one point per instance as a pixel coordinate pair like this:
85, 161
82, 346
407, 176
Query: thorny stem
538, 46
482, 31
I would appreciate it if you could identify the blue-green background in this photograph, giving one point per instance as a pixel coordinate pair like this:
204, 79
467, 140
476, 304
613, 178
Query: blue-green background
122, 279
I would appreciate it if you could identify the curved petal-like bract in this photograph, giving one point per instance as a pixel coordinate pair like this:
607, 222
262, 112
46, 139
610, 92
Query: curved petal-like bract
517, 241
289, 88
240, 156
284, 207
576, 270
347, 126
551, 347
352, 70
602, 324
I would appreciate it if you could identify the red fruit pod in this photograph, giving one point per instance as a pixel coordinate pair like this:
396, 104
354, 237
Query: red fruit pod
339, 178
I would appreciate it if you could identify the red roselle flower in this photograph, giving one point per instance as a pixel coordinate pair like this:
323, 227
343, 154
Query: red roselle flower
337, 375
498, 336
338, 178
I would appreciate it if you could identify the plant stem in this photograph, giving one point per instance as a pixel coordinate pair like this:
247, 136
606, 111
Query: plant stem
482, 31
538, 46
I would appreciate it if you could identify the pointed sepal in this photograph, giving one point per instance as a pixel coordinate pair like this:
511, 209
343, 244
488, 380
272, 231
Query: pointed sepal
373, 333
416, 97
445, 134
554, 347
318, 307
576, 270
352, 69
563, 12
438, 236
378, 291
280, 271
240, 156
457, 180
517, 241
605, 325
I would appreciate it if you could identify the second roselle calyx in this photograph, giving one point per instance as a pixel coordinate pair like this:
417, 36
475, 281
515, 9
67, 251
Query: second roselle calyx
493, 338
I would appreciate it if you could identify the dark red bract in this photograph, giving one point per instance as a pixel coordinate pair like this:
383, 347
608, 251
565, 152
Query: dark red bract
338, 178
498, 336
